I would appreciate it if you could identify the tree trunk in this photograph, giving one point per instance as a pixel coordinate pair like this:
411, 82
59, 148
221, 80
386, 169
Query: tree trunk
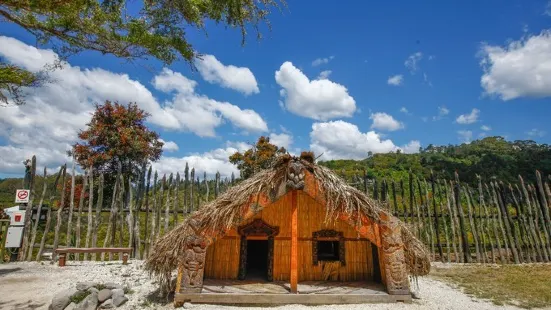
98, 218
38, 213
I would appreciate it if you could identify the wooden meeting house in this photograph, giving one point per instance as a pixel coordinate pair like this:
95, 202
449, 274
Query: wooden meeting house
294, 223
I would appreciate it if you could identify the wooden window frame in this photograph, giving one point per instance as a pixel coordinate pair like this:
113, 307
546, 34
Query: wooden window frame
327, 235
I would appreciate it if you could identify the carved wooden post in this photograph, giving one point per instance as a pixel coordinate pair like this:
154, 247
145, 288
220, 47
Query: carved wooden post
192, 266
393, 257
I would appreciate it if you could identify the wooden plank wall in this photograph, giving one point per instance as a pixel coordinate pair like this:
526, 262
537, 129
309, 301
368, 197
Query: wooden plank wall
223, 256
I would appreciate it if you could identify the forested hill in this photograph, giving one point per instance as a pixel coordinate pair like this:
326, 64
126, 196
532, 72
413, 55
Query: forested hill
489, 157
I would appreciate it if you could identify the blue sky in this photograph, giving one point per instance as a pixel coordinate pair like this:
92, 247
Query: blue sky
375, 76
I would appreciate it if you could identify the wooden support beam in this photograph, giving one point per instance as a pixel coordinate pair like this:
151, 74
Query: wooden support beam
294, 243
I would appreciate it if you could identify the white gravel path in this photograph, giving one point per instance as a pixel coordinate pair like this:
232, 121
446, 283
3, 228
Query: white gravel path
32, 286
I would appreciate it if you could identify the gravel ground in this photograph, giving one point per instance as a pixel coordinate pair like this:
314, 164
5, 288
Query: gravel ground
32, 286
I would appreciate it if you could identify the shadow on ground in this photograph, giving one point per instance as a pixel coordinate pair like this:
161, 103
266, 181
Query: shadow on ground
8, 271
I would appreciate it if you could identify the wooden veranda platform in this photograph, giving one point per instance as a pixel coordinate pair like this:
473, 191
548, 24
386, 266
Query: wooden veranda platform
278, 293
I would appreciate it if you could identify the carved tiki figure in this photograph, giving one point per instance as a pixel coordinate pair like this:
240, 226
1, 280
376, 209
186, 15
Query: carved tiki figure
194, 262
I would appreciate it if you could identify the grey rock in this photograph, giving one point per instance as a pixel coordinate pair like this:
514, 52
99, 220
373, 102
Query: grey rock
104, 294
119, 300
71, 306
113, 286
62, 299
108, 304
118, 292
89, 303
83, 286
93, 290
188, 305
415, 295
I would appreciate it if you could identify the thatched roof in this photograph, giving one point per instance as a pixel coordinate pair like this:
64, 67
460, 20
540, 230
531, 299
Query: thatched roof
225, 213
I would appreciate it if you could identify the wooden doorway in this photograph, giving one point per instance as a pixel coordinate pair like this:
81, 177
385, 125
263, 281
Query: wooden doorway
256, 257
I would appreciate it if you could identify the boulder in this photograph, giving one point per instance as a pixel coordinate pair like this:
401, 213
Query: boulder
113, 286
71, 306
104, 294
89, 303
93, 290
108, 304
83, 286
62, 299
119, 300
118, 297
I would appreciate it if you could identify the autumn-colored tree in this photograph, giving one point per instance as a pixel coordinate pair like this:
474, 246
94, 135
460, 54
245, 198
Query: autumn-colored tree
117, 134
127, 29
78, 192
260, 156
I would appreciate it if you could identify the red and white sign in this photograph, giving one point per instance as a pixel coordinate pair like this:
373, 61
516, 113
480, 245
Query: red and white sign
22, 196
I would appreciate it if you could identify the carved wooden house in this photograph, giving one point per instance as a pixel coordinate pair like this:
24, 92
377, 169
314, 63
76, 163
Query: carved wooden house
296, 223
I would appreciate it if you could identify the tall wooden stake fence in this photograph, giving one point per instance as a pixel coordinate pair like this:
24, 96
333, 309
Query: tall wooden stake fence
492, 222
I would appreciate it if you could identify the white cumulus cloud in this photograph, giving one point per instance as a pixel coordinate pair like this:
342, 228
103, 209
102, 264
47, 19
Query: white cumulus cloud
343, 140
316, 99
520, 69
384, 121
412, 62
237, 78
49, 122
395, 80
322, 61
213, 161
485, 128
282, 140
324, 74
169, 146
470, 118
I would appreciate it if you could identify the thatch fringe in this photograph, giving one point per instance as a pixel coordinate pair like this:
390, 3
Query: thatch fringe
225, 212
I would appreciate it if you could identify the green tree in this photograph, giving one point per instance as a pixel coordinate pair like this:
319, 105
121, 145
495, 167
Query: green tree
126, 29
260, 156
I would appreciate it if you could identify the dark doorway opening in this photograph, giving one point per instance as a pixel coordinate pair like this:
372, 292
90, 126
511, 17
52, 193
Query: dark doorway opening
257, 259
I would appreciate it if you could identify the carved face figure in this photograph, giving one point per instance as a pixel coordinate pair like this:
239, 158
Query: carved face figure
295, 175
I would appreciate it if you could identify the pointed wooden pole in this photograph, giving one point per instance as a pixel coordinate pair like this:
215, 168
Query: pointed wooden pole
294, 242
49, 214
90, 222
435, 215
462, 227
453, 222
37, 220
98, 218
59, 210
71, 207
